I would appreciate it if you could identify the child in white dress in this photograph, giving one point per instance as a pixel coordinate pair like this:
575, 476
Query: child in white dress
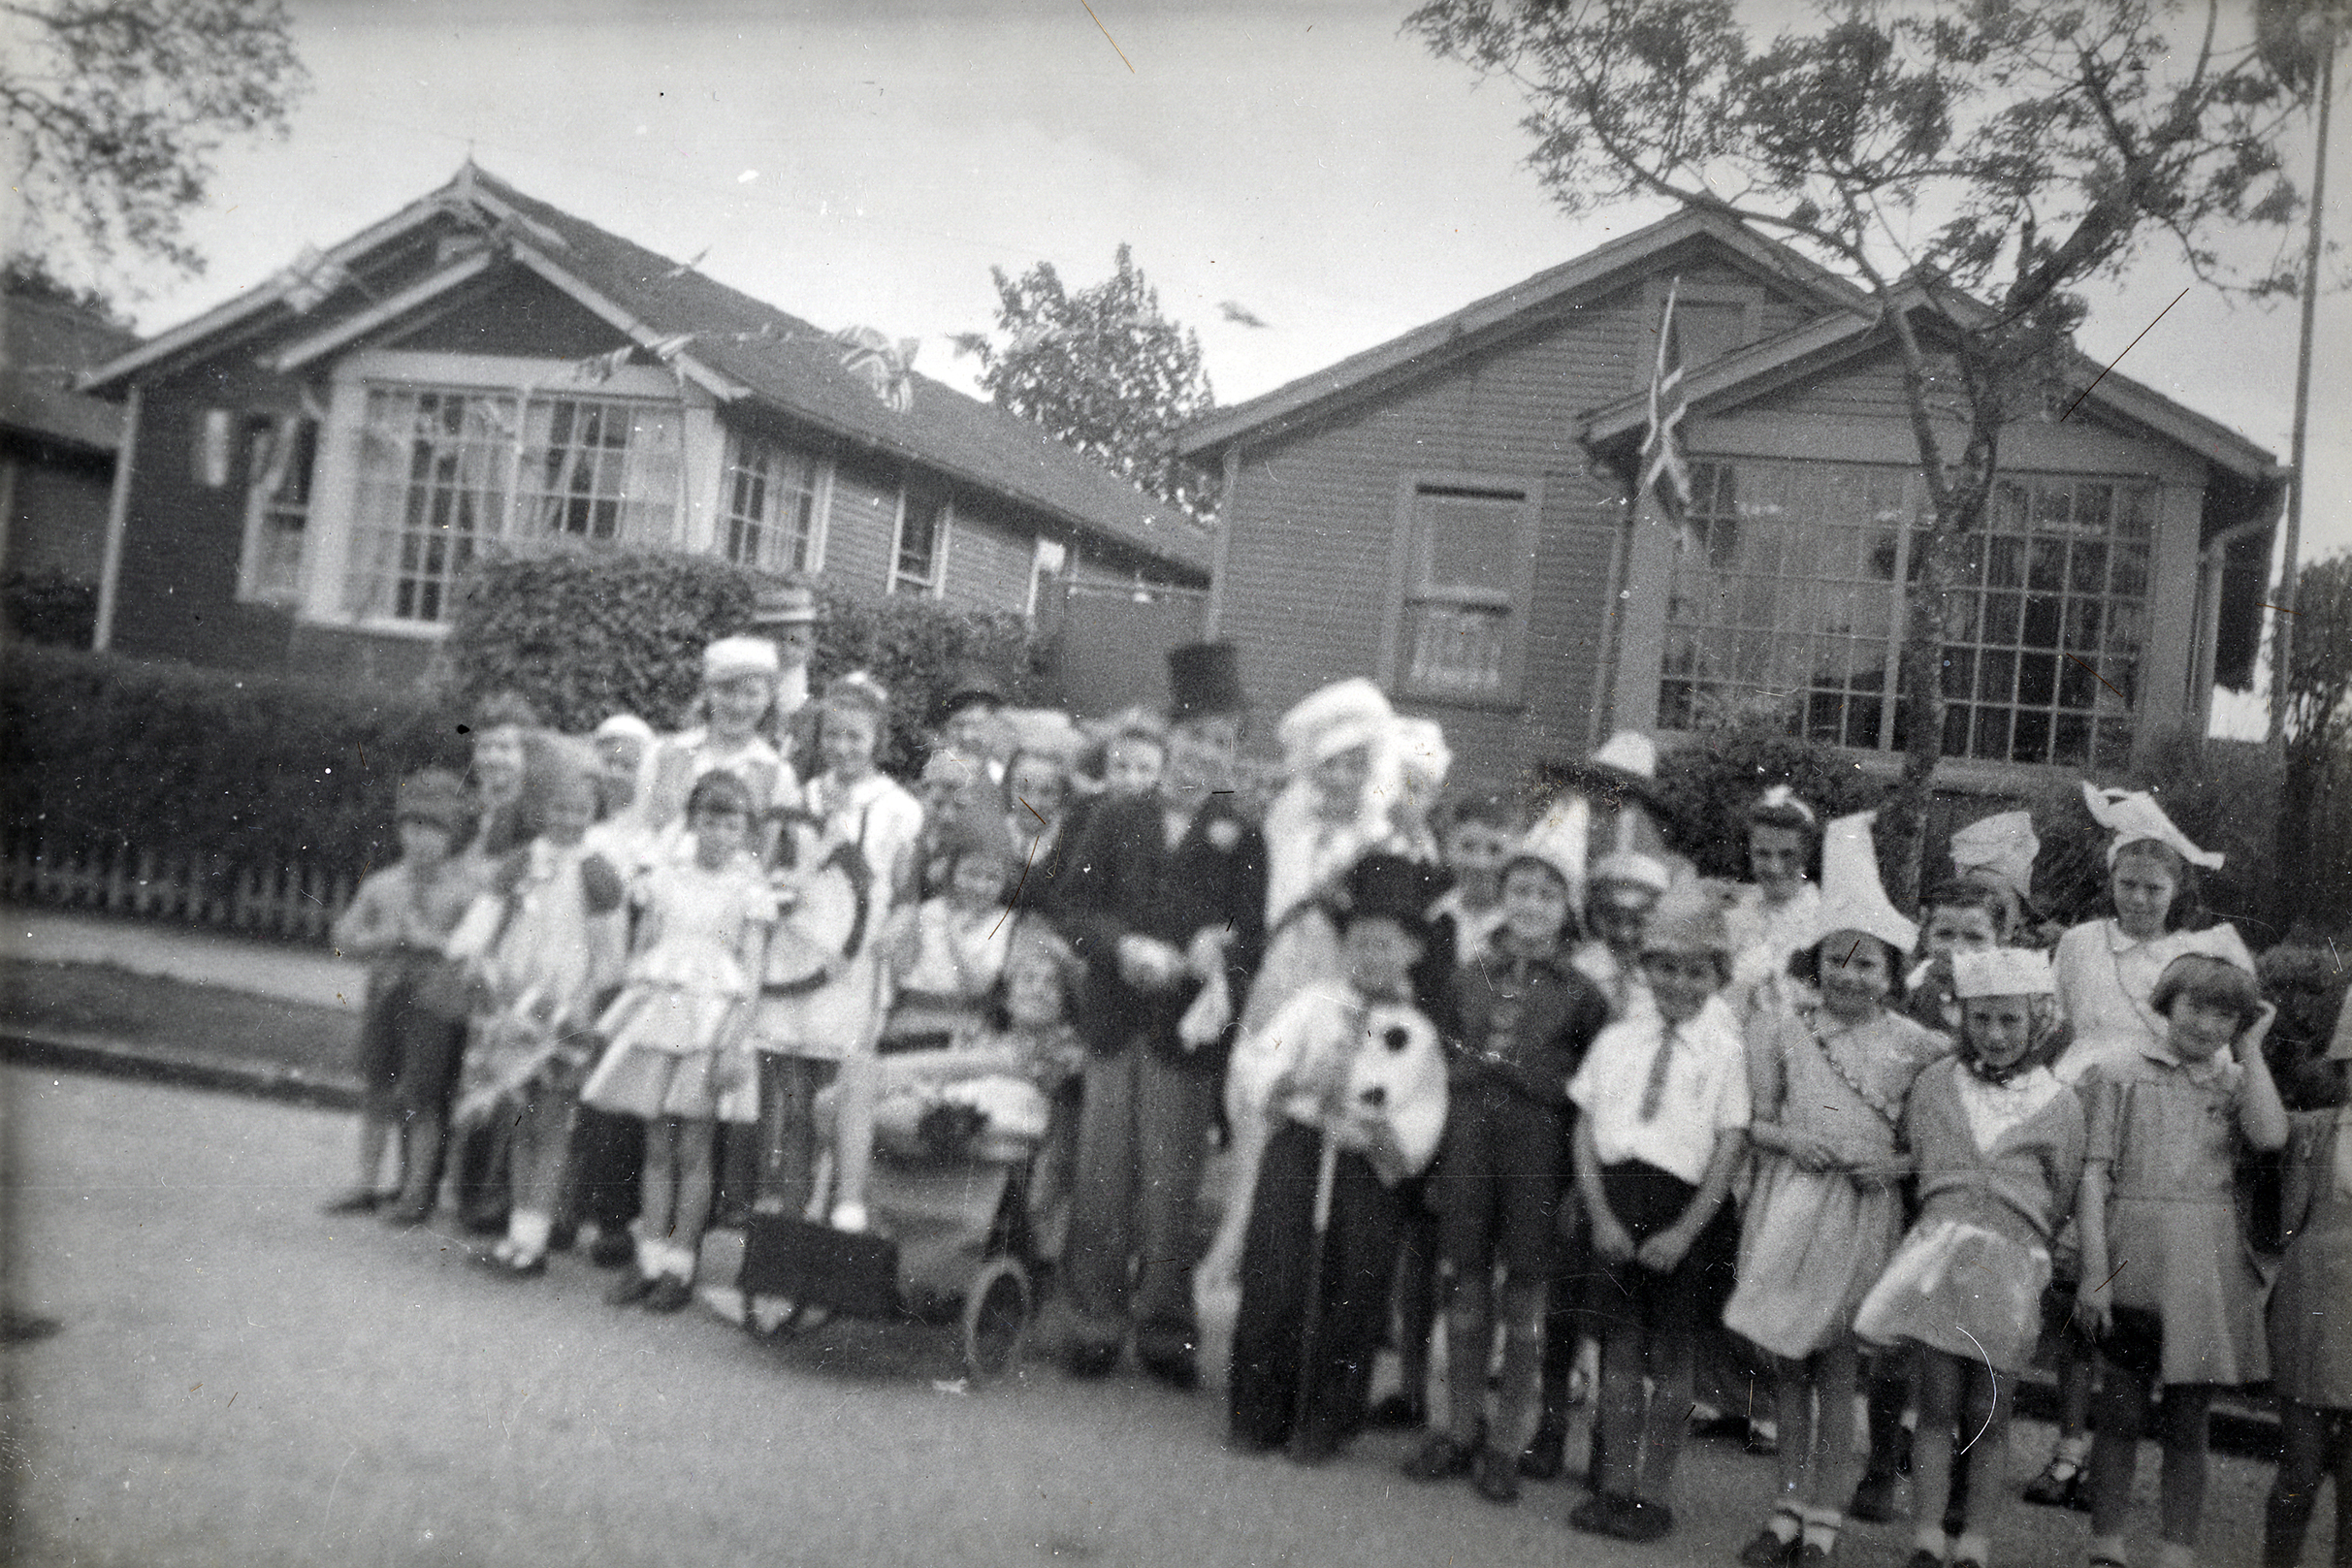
677, 1055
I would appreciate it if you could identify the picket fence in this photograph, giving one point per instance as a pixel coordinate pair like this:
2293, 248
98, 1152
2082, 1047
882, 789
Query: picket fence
296, 903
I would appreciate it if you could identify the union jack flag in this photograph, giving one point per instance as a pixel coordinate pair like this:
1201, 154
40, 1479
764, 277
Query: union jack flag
1664, 472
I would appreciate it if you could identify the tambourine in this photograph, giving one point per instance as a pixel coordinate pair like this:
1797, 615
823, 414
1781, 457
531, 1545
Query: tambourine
828, 902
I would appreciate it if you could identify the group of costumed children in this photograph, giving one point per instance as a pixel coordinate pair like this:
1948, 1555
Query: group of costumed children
1543, 1083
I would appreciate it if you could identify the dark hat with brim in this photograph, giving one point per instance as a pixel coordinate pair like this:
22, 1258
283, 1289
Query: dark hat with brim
969, 684
1392, 888
1204, 680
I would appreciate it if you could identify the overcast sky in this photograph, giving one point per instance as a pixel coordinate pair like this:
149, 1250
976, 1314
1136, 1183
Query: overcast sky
868, 163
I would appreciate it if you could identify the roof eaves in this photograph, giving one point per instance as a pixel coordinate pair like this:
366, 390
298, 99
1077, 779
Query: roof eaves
664, 345
255, 300
1475, 320
304, 350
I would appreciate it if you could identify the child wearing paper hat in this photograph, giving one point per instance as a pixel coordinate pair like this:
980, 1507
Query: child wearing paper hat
1999, 1145
1824, 1214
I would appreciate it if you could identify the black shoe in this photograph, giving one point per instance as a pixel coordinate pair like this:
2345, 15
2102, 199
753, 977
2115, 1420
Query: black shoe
561, 1238
629, 1289
359, 1201
488, 1259
1921, 1557
1646, 1520
1398, 1411
611, 1249
1874, 1499
1495, 1476
1547, 1454
1765, 1549
1442, 1458
1814, 1554
2058, 1485
1604, 1514
669, 1294
1167, 1352
1252, 1444
1090, 1361
407, 1214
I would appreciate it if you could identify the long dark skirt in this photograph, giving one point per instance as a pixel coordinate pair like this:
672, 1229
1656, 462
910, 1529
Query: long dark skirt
1359, 1258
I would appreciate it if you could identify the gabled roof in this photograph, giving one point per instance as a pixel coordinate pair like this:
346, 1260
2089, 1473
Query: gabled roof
1422, 349
744, 351
1817, 347
45, 345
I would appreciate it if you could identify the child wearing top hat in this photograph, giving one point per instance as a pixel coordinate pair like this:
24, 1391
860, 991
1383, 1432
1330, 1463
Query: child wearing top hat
1663, 1102
1827, 1088
1350, 1078
397, 923
1526, 1015
1162, 897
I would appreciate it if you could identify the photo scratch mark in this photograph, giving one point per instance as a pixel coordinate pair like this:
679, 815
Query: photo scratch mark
1130, 65
2111, 364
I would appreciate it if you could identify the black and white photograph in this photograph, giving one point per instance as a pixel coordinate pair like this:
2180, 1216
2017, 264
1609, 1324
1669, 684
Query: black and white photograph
1175, 784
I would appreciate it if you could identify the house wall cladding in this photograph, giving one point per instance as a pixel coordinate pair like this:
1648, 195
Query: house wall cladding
859, 527
990, 557
1310, 582
175, 592
57, 505
524, 316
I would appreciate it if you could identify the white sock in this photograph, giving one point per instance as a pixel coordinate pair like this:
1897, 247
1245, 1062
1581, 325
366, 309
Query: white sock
681, 1261
2073, 1451
1973, 1546
2176, 1555
2107, 1548
649, 1256
529, 1232
1931, 1538
1822, 1526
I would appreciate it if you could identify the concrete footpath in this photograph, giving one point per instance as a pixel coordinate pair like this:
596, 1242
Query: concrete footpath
311, 977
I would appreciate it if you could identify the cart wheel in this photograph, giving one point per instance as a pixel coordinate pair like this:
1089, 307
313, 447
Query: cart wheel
996, 1319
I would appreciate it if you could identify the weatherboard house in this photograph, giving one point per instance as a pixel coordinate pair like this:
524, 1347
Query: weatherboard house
1450, 513
308, 468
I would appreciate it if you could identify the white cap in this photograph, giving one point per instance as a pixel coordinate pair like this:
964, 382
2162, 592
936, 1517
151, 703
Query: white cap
1341, 716
731, 657
2133, 816
2003, 846
2002, 972
1630, 751
1852, 897
626, 726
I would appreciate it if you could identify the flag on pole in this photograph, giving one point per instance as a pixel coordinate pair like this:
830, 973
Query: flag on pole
1664, 472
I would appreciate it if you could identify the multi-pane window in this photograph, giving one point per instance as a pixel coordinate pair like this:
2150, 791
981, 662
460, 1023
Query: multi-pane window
2043, 637
1785, 595
282, 452
1467, 555
443, 472
923, 537
770, 495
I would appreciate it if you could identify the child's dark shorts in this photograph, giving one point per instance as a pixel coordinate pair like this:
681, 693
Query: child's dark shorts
408, 1055
1691, 1296
1501, 1176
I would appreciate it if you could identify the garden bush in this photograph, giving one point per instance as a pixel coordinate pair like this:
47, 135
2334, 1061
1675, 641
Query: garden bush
1706, 787
241, 770
587, 636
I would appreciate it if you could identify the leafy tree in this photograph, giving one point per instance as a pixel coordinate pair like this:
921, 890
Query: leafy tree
1970, 164
28, 277
1103, 370
119, 106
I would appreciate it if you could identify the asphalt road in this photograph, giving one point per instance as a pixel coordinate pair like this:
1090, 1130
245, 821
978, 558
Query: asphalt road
241, 1380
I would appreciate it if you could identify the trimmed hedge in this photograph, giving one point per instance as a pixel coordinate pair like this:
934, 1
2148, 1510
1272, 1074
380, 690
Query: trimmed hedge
246, 770
48, 607
585, 635
1707, 786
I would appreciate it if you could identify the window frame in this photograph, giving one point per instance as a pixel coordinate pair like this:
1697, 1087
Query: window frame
897, 580
736, 442
1517, 597
1970, 610
342, 480
262, 508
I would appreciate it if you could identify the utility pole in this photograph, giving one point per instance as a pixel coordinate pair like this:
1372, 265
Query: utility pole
2327, 23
